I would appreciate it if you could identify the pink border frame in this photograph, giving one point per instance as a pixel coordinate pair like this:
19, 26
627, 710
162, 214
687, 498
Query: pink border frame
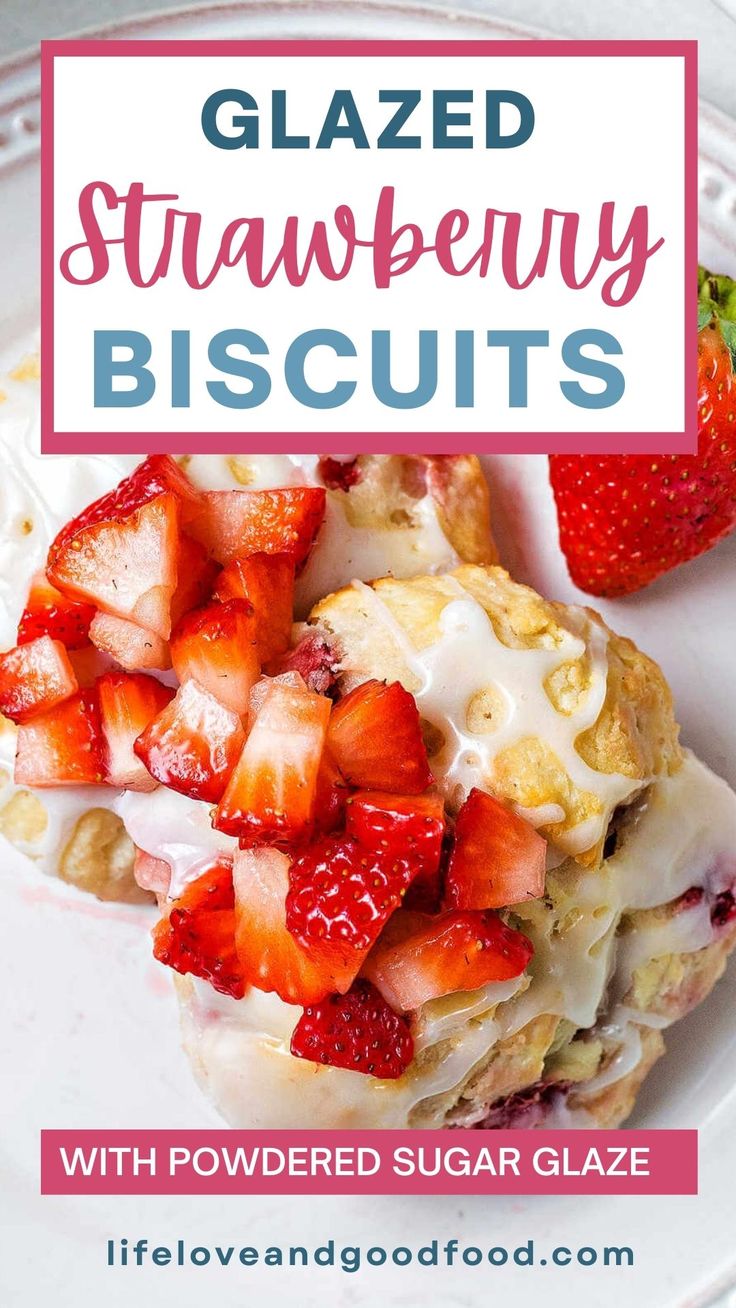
53, 442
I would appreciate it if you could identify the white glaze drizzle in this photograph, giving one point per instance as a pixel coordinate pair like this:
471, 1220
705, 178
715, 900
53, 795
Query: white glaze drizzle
685, 829
469, 657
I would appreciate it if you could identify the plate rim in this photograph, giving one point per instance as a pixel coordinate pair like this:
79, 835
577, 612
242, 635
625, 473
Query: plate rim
19, 74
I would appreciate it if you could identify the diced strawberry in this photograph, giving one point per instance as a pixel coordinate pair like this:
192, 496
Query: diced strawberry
270, 957
271, 794
151, 873
233, 523
157, 475
497, 857
49, 613
128, 703
400, 825
357, 1031
314, 660
62, 747
216, 646
342, 893
376, 739
331, 795
34, 677
131, 646
198, 934
193, 745
419, 958
267, 580
196, 577
425, 892
262, 688
128, 567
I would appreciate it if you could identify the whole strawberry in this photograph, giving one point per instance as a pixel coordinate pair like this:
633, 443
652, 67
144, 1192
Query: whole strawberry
625, 519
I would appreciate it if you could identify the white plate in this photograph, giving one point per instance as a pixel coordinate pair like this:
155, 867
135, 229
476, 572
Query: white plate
93, 1029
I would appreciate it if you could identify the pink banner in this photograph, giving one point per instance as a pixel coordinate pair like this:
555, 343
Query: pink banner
369, 1162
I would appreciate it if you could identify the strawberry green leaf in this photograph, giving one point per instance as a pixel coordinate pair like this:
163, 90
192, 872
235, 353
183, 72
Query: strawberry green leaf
717, 303
728, 332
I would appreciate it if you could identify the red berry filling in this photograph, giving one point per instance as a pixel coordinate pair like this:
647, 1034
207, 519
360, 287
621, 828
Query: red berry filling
525, 1109
339, 474
723, 909
313, 659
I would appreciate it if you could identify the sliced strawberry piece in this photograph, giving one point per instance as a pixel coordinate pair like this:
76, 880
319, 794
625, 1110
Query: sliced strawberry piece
128, 703
151, 873
131, 646
357, 1031
49, 613
267, 580
127, 568
342, 893
232, 523
195, 578
270, 957
262, 688
315, 661
376, 739
193, 745
216, 646
198, 934
271, 794
35, 677
331, 795
157, 475
398, 826
426, 891
497, 857
62, 747
419, 958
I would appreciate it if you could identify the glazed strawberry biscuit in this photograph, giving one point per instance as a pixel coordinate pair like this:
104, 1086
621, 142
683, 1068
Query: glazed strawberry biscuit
432, 857
531, 918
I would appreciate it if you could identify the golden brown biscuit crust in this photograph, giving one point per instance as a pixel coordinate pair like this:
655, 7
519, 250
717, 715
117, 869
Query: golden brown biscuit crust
635, 734
389, 487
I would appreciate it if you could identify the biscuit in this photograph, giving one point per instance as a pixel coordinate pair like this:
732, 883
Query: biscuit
541, 704
552, 711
